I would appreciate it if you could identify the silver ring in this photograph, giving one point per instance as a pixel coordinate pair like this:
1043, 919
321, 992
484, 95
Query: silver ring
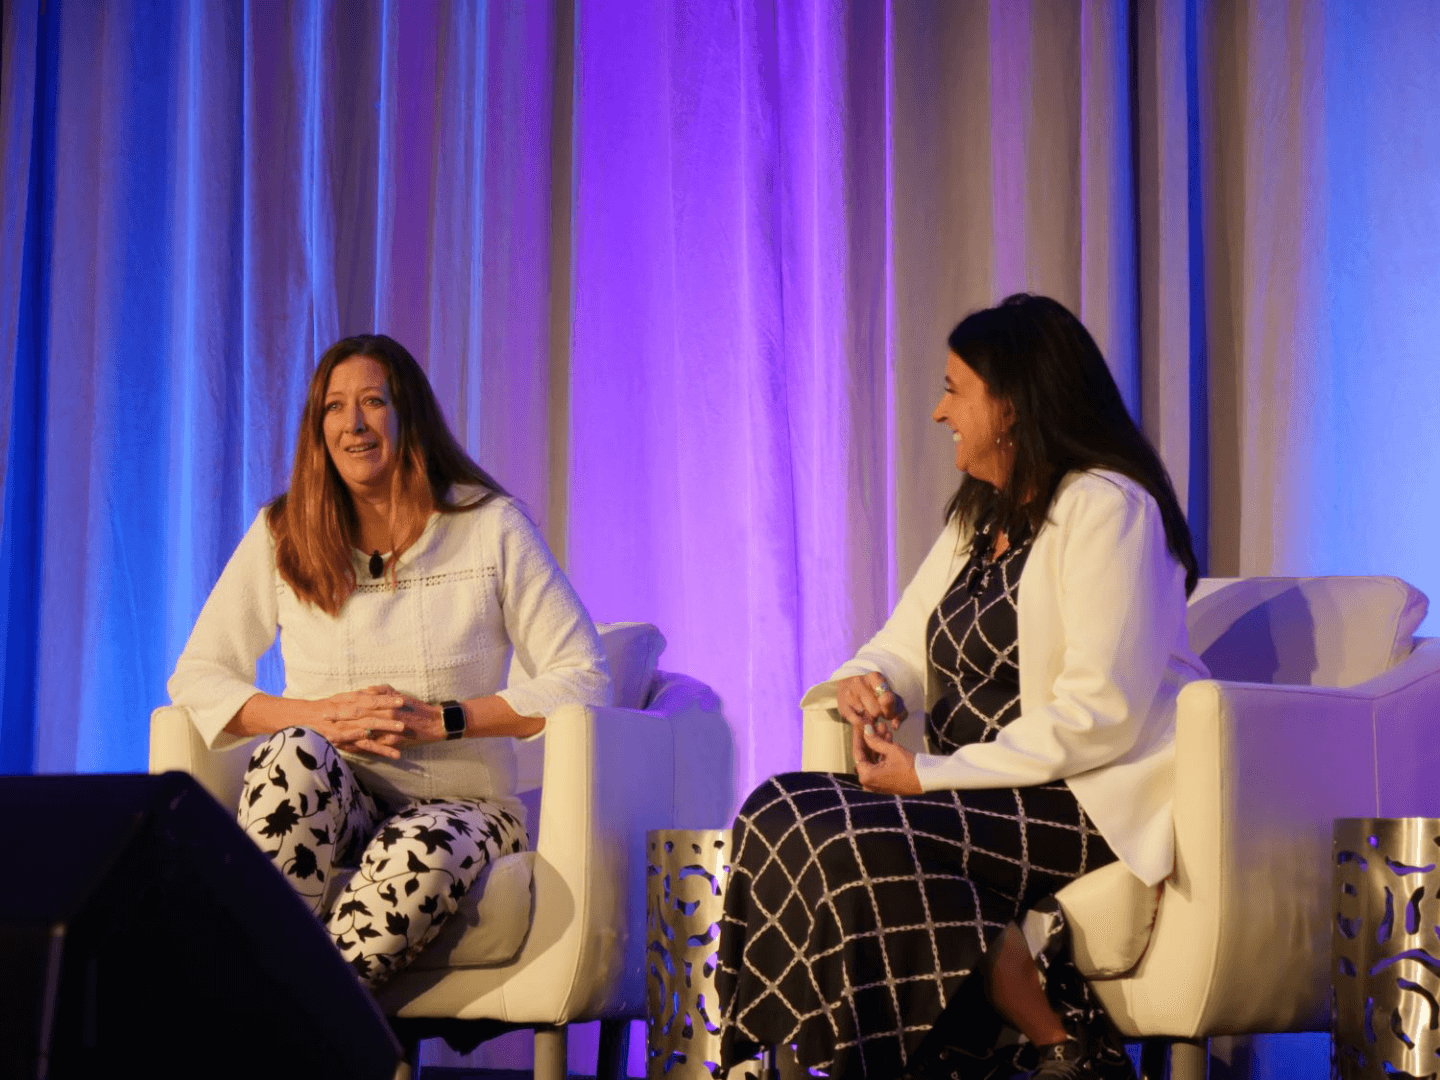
369, 732
881, 687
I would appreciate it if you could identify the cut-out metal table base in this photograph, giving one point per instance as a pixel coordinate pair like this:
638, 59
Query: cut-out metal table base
686, 870
1385, 955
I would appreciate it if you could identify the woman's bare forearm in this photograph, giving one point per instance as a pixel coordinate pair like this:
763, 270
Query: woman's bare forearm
488, 716
492, 716
265, 714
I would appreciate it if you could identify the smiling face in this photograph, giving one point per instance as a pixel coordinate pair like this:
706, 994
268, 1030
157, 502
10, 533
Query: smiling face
360, 426
977, 418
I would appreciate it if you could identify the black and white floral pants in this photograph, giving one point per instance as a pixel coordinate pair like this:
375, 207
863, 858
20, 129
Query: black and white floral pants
302, 804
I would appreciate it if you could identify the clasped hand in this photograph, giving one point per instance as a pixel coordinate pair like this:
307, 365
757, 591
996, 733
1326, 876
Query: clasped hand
874, 713
377, 720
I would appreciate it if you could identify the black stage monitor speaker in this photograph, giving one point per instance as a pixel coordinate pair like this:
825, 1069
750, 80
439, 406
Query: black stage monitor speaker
140, 927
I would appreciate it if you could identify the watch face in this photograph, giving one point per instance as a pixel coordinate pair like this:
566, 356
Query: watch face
454, 717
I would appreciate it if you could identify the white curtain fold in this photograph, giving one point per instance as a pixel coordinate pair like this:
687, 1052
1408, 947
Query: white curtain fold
682, 275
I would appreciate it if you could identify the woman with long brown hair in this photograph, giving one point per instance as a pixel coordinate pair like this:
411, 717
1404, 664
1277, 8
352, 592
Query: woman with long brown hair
399, 576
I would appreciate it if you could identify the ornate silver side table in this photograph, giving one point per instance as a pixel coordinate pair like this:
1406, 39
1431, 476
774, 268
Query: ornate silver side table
1385, 955
686, 870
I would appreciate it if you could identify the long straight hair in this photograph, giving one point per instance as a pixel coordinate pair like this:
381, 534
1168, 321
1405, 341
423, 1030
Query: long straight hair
314, 523
1034, 354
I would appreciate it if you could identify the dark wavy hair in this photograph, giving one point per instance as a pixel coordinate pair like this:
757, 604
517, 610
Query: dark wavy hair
1034, 354
314, 523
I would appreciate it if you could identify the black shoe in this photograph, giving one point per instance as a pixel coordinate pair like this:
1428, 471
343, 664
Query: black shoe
1063, 1061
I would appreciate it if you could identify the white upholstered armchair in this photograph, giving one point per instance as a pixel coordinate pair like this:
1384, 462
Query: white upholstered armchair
1321, 705
556, 934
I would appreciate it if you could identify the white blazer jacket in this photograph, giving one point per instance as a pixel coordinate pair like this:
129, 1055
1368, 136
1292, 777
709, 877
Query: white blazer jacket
1103, 654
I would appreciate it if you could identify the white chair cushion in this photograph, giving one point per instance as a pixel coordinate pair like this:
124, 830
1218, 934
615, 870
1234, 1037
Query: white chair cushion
632, 650
1317, 631
1110, 913
491, 922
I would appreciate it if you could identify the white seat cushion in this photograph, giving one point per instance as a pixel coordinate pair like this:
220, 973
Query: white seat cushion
491, 922
1317, 631
1110, 913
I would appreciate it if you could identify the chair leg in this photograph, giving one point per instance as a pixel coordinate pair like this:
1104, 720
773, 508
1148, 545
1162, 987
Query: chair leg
1154, 1059
1189, 1059
550, 1053
614, 1053
409, 1064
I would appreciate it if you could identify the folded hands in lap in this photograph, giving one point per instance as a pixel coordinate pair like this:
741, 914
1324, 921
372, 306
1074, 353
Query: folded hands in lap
378, 720
874, 712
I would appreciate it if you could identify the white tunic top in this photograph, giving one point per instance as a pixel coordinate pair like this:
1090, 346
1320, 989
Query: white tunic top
1104, 652
474, 584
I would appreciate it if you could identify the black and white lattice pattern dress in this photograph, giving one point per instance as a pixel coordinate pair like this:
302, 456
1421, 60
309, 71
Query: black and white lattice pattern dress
854, 920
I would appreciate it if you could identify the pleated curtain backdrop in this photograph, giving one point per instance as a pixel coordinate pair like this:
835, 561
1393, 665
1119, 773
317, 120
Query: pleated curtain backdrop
682, 274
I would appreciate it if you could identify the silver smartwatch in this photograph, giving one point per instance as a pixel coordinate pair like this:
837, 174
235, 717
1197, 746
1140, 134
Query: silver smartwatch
453, 713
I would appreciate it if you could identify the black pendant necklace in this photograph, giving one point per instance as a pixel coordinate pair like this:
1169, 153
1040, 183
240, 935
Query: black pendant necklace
377, 565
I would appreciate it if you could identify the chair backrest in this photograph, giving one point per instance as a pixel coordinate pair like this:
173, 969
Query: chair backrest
1316, 631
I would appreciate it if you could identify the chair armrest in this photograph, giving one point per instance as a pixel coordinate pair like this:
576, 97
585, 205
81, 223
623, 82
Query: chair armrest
825, 740
176, 745
1407, 754
611, 775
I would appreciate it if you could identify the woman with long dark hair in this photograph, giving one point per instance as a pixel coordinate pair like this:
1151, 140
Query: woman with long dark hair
399, 576
872, 920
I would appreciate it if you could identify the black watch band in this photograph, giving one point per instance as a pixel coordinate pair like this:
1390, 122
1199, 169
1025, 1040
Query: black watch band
453, 713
